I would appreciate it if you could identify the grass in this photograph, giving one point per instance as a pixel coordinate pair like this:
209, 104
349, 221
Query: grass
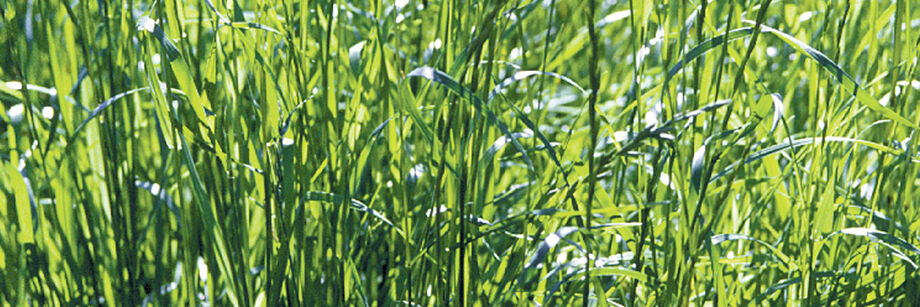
454, 153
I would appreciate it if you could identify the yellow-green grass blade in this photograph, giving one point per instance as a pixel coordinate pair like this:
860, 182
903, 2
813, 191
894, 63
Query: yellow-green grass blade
180, 69
23, 204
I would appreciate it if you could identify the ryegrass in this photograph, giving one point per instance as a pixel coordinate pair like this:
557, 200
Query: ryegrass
458, 153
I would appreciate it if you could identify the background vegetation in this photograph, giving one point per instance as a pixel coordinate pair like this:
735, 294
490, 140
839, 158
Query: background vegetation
435, 153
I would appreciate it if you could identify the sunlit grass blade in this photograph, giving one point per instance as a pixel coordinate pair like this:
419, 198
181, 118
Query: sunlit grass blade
180, 68
23, 203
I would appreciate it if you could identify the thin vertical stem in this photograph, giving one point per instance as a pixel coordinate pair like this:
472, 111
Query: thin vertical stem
592, 121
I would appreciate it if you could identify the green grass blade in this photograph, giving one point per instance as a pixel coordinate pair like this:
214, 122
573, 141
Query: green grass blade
845, 80
451, 84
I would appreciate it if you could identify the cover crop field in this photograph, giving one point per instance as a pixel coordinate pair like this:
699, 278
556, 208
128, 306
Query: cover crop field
459, 153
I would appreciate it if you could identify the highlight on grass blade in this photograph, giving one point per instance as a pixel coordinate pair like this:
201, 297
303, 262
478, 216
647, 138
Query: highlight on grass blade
888, 240
180, 69
547, 245
524, 74
697, 168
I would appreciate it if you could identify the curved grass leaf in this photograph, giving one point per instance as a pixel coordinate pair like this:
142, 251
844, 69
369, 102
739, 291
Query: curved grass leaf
521, 75
355, 204
287, 119
407, 102
104, 105
13, 88
445, 80
499, 143
802, 142
883, 238
881, 221
778, 110
687, 115
354, 57
524, 74
546, 143
848, 82
658, 132
705, 47
721, 238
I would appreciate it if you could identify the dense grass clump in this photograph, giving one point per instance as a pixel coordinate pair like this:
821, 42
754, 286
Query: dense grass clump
458, 153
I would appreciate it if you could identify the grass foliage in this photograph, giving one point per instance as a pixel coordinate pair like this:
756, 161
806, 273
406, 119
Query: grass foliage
454, 153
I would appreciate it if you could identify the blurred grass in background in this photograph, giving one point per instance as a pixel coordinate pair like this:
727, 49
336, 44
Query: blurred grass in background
435, 153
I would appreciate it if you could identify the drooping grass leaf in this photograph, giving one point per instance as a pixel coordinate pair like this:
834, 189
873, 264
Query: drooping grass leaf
524, 74
520, 75
102, 106
845, 80
451, 84
355, 204
778, 110
705, 47
802, 142
885, 239
786, 261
